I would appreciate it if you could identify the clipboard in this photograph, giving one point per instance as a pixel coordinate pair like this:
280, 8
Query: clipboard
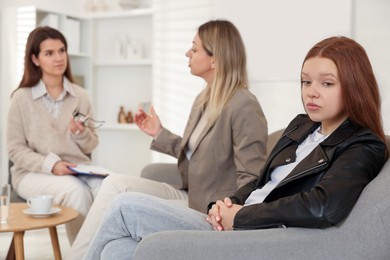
90, 170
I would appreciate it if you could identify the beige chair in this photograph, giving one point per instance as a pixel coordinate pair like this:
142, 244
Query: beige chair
14, 195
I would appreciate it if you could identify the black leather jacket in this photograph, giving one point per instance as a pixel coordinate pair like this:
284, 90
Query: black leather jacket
323, 188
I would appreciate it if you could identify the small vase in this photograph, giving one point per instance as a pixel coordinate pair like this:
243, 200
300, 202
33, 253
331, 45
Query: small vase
101, 6
90, 6
128, 4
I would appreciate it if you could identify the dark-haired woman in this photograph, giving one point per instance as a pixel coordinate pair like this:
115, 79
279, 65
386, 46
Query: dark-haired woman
43, 138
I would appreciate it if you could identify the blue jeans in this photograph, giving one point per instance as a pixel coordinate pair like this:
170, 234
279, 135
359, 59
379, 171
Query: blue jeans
132, 216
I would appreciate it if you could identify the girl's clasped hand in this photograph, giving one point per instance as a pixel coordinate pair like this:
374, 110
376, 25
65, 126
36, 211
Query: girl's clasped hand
222, 213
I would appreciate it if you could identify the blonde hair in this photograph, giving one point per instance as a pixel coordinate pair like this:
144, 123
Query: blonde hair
223, 41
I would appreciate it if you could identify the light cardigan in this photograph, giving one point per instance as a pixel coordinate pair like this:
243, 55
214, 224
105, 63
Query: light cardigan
36, 141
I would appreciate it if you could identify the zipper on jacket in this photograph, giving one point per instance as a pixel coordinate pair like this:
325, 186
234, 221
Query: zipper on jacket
301, 173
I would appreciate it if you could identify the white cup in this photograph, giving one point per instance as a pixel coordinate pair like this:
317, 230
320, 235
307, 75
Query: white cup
40, 204
4, 203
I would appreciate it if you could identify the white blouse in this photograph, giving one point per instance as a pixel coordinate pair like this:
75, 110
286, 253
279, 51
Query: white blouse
281, 172
196, 133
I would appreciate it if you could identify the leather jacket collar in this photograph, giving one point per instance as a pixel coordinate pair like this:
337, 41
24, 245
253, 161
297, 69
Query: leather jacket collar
303, 126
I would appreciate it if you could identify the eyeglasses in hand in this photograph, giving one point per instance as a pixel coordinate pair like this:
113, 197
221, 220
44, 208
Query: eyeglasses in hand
83, 118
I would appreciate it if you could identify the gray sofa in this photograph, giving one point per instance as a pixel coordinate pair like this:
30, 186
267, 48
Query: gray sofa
365, 234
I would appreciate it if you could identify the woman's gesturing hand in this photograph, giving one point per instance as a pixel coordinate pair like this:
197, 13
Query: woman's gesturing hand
149, 124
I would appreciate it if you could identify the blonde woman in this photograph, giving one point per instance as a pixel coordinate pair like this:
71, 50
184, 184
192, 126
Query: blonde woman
224, 142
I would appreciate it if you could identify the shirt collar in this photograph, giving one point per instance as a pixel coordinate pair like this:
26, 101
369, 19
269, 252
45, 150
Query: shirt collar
40, 90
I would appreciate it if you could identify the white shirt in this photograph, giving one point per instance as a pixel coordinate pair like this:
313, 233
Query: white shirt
53, 106
196, 133
281, 172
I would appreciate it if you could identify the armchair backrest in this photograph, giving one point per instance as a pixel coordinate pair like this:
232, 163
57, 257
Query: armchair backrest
272, 139
371, 214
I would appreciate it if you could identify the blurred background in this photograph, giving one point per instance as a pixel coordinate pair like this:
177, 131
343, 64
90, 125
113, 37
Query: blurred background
130, 52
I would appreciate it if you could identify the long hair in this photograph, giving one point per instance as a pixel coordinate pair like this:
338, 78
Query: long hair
359, 88
223, 41
32, 73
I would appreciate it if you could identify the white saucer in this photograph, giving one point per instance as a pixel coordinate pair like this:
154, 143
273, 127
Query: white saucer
52, 211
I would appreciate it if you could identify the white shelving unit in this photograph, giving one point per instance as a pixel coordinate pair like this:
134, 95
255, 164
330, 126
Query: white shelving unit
139, 62
121, 78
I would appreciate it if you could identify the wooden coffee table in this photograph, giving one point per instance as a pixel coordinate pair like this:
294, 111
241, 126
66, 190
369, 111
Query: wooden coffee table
19, 222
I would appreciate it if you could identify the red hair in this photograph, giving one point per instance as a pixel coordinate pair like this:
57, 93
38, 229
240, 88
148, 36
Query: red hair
360, 92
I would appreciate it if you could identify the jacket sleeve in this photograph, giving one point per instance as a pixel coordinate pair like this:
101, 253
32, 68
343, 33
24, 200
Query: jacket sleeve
328, 202
167, 142
249, 133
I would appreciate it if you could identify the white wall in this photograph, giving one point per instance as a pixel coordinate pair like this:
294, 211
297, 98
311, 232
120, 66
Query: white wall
277, 35
71, 6
371, 28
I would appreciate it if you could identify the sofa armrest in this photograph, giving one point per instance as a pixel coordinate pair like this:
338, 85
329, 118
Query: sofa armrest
255, 244
277, 244
163, 172
273, 138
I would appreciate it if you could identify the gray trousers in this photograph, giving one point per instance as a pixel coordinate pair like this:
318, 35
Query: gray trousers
132, 216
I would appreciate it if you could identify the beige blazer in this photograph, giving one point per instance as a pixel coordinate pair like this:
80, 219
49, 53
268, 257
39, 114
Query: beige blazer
228, 153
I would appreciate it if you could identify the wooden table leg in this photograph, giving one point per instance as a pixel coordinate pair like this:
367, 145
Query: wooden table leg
54, 242
18, 244
11, 251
